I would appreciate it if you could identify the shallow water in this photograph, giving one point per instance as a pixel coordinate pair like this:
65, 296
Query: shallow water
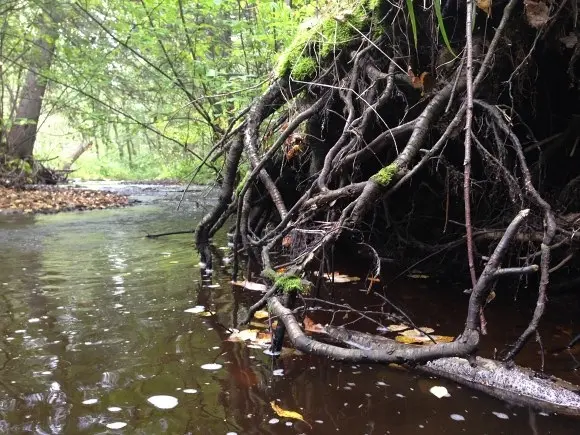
92, 325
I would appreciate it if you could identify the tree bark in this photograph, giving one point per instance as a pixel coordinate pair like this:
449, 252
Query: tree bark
22, 135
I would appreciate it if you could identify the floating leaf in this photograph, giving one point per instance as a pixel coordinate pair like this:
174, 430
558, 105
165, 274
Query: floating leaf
418, 276
116, 425
407, 340
310, 326
339, 278
261, 314
439, 392
287, 414
417, 332
423, 339
397, 328
90, 401
249, 285
244, 335
195, 310
211, 366
163, 401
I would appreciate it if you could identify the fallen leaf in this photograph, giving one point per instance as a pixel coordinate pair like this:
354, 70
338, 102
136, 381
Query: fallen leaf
261, 314
310, 326
485, 6
287, 414
249, 285
244, 335
439, 392
417, 332
339, 278
396, 328
423, 339
418, 276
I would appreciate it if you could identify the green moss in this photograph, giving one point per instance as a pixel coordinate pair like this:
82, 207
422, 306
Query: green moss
318, 38
304, 68
270, 274
385, 175
288, 283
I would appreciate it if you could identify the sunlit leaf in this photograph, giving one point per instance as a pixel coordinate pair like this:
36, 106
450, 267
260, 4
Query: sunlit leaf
485, 6
249, 285
423, 339
244, 335
261, 314
340, 278
439, 391
417, 332
163, 401
310, 326
287, 414
397, 328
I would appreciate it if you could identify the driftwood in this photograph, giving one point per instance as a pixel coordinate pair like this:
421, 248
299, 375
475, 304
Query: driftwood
514, 384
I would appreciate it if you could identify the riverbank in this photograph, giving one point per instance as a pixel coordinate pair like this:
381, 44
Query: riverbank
55, 199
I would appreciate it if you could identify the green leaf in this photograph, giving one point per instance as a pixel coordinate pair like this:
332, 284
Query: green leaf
441, 26
413, 19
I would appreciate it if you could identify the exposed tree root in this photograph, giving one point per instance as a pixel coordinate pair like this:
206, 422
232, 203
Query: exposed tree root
356, 152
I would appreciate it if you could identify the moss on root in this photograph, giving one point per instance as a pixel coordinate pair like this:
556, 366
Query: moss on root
318, 38
288, 283
385, 175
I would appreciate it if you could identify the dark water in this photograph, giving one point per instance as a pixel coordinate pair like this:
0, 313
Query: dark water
93, 312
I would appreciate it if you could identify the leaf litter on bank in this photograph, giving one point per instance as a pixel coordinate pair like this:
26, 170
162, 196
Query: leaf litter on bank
50, 199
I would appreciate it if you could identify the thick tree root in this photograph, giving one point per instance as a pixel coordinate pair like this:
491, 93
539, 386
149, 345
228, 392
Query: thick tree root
358, 153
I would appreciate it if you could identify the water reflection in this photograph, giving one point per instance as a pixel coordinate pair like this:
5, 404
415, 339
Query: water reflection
93, 324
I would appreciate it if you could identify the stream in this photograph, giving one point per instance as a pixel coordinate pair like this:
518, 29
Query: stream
93, 325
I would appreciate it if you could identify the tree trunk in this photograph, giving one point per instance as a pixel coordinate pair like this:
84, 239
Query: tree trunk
22, 135
76, 154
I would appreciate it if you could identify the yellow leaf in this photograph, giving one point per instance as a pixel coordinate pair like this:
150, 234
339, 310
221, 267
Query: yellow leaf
396, 328
423, 339
406, 340
287, 414
261, 314
416, 332
485, 6
246, 334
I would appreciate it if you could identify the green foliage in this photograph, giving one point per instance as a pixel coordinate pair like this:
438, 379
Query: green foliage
385, 175
145, 166
441, 26
413, 20
317, 38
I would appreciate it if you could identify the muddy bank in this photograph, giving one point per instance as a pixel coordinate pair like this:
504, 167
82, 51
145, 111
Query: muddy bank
55, 199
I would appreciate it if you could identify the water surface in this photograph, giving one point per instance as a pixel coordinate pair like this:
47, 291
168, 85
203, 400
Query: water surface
92, 325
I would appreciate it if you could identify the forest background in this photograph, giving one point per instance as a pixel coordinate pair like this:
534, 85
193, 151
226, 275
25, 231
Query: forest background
149, 84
